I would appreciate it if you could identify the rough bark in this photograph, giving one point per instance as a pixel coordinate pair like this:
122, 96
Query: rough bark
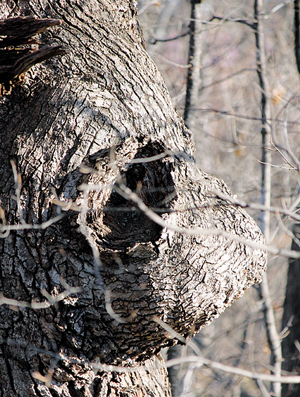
190, 119
70, 140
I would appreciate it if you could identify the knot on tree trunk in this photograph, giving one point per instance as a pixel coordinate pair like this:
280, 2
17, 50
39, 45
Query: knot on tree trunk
167, 244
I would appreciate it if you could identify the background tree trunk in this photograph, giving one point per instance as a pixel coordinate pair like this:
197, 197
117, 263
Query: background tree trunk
75, 196
291, 320
291, 314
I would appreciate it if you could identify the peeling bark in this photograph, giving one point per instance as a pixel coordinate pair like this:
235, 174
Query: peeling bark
82, 129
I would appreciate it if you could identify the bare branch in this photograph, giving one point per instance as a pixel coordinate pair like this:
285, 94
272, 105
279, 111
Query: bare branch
237, 20
155, 40
124, 191
200, 361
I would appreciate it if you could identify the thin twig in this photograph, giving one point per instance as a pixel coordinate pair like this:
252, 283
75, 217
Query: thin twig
154, 40
200, 361
50, 300
245, 117
237, 20
127, 193
230, 76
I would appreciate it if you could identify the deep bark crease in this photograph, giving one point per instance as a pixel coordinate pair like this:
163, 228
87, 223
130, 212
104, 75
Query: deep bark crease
75, 132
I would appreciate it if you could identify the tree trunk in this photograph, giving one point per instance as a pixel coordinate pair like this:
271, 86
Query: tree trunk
75, 193
291, 320
291, 313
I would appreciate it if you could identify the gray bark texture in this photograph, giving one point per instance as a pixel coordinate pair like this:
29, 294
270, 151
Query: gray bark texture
75, 192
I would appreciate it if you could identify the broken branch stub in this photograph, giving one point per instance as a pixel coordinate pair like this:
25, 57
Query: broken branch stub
19, 50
